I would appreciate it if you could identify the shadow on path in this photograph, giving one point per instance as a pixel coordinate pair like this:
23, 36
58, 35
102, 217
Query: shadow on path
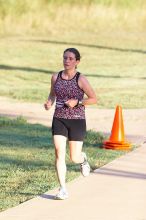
46, 196
120, 173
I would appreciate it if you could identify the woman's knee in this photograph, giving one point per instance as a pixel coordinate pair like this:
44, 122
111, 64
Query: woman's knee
60, 154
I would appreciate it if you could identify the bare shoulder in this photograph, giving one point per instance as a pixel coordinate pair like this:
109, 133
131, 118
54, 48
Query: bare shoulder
54, 77
83, 81
83, 78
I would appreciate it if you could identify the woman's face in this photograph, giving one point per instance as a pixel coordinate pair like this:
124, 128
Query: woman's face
69, 60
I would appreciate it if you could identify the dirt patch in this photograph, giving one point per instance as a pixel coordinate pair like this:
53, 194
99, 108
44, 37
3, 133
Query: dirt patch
100, 120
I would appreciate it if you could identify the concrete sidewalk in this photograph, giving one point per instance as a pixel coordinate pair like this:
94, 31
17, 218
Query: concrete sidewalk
116, 191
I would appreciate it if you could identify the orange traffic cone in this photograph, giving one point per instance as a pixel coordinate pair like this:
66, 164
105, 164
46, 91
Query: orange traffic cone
116, 140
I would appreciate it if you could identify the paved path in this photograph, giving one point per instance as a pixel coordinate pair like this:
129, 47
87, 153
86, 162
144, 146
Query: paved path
100, 120
116, 191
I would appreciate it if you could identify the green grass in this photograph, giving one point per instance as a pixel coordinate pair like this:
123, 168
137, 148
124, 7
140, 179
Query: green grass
27, 160
110, 34
117, 75
51, 17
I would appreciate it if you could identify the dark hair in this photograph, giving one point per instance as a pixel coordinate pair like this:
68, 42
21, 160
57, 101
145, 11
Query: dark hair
75, 52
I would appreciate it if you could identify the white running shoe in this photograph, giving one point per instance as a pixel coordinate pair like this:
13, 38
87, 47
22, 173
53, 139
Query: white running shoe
62, 194
85, 167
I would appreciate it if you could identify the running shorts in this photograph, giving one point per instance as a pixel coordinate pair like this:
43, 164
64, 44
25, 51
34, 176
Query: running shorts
73, 129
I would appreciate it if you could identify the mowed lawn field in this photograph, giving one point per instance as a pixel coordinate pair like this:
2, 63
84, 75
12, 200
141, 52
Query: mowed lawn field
110, 37
117, 74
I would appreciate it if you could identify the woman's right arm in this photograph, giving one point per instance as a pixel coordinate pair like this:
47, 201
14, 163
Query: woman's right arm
51, 97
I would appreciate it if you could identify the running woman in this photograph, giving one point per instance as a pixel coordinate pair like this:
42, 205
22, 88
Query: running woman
68, 88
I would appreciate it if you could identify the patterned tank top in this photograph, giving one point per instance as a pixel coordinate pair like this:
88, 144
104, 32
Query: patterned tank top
65, 90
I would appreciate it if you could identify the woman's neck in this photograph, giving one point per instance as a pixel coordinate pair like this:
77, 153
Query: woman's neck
69, 74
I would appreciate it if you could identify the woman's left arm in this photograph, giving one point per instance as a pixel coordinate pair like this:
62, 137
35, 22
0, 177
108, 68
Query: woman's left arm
88, 90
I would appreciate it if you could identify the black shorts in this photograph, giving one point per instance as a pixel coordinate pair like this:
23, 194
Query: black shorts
73, 129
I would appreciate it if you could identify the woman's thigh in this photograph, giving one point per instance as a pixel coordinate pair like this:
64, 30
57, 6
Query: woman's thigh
60, 145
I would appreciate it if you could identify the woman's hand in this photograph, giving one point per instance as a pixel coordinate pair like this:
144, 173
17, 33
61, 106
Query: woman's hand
48, 104
71, 103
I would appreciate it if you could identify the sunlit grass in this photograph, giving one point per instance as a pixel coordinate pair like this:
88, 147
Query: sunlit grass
49, 17
116, 73
109, 34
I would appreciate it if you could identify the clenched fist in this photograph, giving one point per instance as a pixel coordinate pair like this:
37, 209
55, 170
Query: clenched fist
48, 105
71, 103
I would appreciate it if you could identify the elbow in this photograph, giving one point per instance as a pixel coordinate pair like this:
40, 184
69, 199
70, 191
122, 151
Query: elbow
95, 101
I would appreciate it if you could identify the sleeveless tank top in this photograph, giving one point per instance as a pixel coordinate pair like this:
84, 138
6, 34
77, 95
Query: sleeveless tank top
65, 90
